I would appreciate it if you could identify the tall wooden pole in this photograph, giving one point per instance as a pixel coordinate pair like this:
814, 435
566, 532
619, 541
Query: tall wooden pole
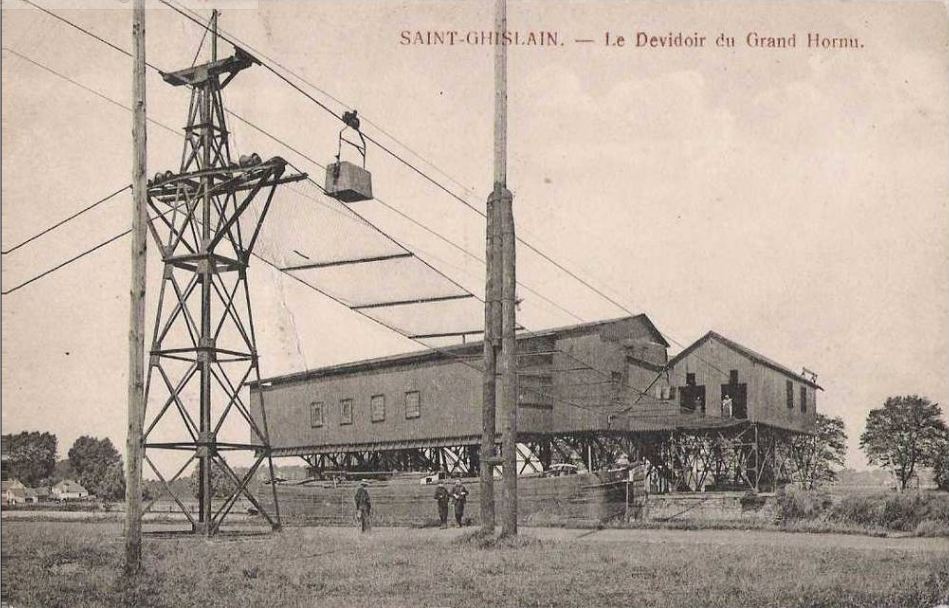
136, 392
507, 363
492, 334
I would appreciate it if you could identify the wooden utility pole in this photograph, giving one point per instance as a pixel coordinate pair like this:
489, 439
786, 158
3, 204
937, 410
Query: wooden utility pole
507, 363
494, 356
492, 331
136, 392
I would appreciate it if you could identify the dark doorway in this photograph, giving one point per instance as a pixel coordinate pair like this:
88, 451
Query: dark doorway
692, 399
739, 396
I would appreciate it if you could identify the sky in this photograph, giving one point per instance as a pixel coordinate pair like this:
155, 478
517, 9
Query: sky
794, 200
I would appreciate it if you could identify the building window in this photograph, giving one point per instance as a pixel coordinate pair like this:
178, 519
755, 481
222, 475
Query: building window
790, 394
733, 377
345, 411
377, 408
672, 393
692, 399
316, 414
412, 404
803, 398
690, 379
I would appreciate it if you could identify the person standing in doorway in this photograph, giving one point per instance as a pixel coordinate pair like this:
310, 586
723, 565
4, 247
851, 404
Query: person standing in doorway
459, 494
442, 497
363, 507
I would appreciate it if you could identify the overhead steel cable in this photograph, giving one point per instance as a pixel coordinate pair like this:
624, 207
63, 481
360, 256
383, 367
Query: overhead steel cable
83, 254
440, 350
230, 39
403, 215
66, 220
84, 87
624, 386
392, 239
191, 16
83, 30
352, 214
115, 47
66, 263
194, 17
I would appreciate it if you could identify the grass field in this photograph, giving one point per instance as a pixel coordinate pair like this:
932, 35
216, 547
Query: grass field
78, 564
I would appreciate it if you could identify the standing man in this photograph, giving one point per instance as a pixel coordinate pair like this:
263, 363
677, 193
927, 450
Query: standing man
363, 506
442, 497
459, 494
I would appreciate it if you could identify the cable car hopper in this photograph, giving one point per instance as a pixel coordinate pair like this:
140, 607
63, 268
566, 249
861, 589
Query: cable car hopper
346, 181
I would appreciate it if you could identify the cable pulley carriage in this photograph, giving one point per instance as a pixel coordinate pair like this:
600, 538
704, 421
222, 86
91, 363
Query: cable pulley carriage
345, 181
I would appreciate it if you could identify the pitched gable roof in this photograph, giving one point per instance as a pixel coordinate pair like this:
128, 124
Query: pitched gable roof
10, 484
68, 485
745, 351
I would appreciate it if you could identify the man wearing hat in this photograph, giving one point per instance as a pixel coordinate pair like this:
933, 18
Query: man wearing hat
459, 494
363, 506
442, 497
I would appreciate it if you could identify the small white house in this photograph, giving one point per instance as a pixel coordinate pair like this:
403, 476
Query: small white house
13, 492
69, 490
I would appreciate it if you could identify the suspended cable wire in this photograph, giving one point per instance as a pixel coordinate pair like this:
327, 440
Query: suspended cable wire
367, 120
389, 151
352, 214
201, 44
64, 221
66, 263
83, 30
84, 87
640, 392
84, 253
547, 257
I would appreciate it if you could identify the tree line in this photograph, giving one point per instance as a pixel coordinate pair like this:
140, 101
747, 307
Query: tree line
93, 462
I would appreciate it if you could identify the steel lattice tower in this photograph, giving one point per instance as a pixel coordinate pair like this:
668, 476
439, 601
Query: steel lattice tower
203, 346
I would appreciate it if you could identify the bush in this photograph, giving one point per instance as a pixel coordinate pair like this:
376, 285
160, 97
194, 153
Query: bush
931, 527
904, 512
923, 513
795, 503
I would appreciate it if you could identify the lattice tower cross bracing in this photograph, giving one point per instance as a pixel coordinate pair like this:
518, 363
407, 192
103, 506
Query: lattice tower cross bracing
203, 347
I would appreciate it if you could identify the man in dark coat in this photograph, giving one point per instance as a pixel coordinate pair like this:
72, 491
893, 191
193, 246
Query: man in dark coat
442, 497
363, 506
459, 494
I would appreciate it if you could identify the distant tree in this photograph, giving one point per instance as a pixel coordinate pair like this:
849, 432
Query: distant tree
906, 433
111, 485
32, 456
95, 462
941, 467
63, 470
222, 484
813, 457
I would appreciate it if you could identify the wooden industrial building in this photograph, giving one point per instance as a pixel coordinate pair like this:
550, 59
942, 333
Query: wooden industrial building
587, 393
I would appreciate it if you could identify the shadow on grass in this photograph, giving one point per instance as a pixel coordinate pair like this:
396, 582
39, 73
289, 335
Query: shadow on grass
489, 540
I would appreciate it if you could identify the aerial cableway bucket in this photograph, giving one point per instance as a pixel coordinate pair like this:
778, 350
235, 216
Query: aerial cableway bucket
345, 181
